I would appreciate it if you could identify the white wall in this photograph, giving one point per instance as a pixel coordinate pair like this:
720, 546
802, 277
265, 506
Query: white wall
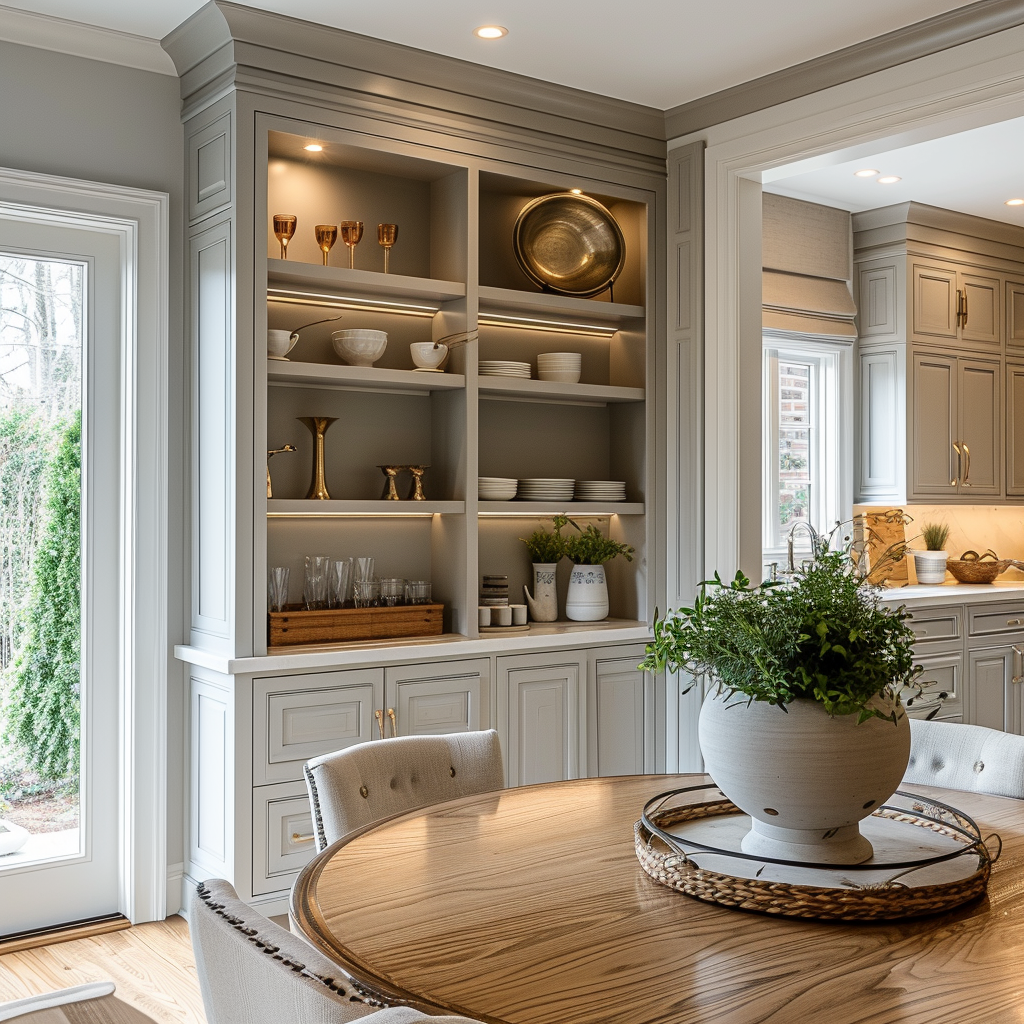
80, 118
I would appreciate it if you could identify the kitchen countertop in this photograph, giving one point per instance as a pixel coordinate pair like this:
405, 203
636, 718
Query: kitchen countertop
924, 596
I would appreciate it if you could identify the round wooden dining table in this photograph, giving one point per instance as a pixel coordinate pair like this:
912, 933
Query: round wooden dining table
528, 906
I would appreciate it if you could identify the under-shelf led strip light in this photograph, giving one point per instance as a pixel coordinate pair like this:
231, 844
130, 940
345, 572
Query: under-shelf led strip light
351, 515
297, 298
528, 323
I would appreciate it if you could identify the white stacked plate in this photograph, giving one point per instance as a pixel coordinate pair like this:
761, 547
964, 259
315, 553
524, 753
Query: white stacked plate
496, 488
600, 490
563, 367
504, 368
546, 489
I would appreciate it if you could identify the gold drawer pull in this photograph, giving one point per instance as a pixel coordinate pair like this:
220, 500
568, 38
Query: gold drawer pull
1014, 622
297, 837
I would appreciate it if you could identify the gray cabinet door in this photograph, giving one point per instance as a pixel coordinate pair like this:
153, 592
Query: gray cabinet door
621, 722
981, 302
1015, 427
935, 303
1015, 315
993, 698
935, 393
978, 427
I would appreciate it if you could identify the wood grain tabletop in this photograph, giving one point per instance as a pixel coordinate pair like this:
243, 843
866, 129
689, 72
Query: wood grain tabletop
528, 906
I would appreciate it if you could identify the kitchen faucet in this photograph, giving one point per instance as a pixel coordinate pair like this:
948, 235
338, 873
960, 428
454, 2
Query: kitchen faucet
811, 532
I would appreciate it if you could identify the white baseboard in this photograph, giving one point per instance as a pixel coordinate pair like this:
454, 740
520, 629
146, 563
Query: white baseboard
175, 876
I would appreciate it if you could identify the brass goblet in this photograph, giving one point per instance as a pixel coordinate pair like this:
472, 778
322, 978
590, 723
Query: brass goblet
351, 232
284, 228
387, 235
326, 236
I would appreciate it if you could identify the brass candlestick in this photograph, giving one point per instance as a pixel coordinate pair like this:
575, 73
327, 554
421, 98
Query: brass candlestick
284, 228
416, 494
317, 426
390, 492
387, 235
351, 232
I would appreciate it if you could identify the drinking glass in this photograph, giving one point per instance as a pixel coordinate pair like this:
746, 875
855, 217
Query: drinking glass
367, 594
387, 235
364, 569
341, 581
351, 232
417, 592
326, 236
392, 592
284, 228
277, 587
315, 591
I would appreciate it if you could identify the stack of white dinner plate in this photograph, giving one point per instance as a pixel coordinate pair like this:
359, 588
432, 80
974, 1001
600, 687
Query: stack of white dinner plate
563, 367
496, 488
504, 368
546, 489
600, 490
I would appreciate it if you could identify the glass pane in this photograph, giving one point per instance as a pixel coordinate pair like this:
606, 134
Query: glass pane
41, 340
794, 455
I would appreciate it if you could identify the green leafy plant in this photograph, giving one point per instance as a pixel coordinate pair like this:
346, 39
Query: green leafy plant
935, 536
821, 636
592, 547
545, 546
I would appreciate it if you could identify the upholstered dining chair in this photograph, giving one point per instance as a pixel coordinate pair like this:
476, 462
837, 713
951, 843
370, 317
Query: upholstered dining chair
370, 781
967, 757
252, 971
93, 1003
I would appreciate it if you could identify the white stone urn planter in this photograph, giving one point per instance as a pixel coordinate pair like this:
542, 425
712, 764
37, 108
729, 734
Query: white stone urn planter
930, 566
587, 600
805, 779
12, 837
543, 602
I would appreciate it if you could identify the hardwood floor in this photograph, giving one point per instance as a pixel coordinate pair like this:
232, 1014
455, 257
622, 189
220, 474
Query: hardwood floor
151, 964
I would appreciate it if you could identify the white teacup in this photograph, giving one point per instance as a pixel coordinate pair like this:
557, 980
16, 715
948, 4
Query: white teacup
426, 355
280, 343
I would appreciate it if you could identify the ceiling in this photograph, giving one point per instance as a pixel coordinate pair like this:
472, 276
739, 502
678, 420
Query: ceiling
660, 53
972, 172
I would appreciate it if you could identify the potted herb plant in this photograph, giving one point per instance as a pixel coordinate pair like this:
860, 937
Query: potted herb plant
546, 549
589, 550
802, 727
930, 564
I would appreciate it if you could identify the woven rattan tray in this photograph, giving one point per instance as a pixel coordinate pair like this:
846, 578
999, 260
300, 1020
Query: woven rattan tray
929, 857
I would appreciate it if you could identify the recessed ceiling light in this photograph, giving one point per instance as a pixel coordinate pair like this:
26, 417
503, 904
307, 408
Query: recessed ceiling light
1014, 202
868, 172
314, 147
490, 31
889, 179
576, 191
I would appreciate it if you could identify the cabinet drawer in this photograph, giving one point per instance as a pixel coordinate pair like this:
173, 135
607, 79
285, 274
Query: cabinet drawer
298, 717
282, 836
937, 623
941, 673
988, 620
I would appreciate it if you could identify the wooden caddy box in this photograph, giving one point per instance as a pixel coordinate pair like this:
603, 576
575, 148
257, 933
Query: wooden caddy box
295, 625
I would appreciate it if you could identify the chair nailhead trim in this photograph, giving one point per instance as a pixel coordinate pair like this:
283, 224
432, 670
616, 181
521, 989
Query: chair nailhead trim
364, 792
321, 835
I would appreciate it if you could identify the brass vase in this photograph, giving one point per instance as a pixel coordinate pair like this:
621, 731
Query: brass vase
317, 426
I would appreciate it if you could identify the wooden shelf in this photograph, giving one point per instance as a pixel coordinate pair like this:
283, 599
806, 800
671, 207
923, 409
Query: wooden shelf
552, 508
326, 509
550, 391
559, 307
340, 282
362, 378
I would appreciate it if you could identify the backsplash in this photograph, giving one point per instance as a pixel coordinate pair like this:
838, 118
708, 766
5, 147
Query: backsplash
977, 527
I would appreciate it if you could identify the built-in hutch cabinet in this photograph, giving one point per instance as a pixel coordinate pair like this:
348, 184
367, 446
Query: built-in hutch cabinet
452, 162
941, 329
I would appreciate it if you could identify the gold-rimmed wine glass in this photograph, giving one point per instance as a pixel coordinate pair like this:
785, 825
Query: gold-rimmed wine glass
326, 236
387, 235
351, 232
284, 228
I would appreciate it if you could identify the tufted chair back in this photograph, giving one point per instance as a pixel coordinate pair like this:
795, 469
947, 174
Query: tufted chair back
967, 757
370, 781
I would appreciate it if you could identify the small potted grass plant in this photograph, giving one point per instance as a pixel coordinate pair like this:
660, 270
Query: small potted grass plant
930, 564
546, 549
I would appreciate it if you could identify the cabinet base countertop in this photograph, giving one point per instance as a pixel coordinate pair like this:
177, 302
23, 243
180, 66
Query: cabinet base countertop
923, 596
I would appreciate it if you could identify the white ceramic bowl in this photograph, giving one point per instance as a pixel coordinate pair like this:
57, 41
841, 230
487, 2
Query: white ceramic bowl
560, 376
359, 346
426, 356
280, 343
560, 359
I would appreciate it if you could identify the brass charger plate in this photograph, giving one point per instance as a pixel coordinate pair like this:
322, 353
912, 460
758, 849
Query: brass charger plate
569, 244
934, 859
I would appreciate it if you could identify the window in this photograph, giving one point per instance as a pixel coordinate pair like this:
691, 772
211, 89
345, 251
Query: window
803, 441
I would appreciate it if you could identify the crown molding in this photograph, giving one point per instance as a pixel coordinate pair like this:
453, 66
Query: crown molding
953, 28
79, 40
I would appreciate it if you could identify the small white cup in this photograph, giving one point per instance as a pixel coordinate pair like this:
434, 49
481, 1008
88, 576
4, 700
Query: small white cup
518, 614
503, 616
484, 616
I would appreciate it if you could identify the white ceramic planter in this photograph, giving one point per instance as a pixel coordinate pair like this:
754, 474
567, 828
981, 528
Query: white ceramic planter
930, 566
805, 779
12, 837
543, 602
587, 600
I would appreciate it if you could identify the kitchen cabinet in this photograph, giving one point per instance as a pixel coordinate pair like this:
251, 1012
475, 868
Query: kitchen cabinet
433, 700
620, 725
951, 305
1014, 428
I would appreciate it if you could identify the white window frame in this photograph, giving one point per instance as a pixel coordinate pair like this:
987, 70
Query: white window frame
831, 454
139, 218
